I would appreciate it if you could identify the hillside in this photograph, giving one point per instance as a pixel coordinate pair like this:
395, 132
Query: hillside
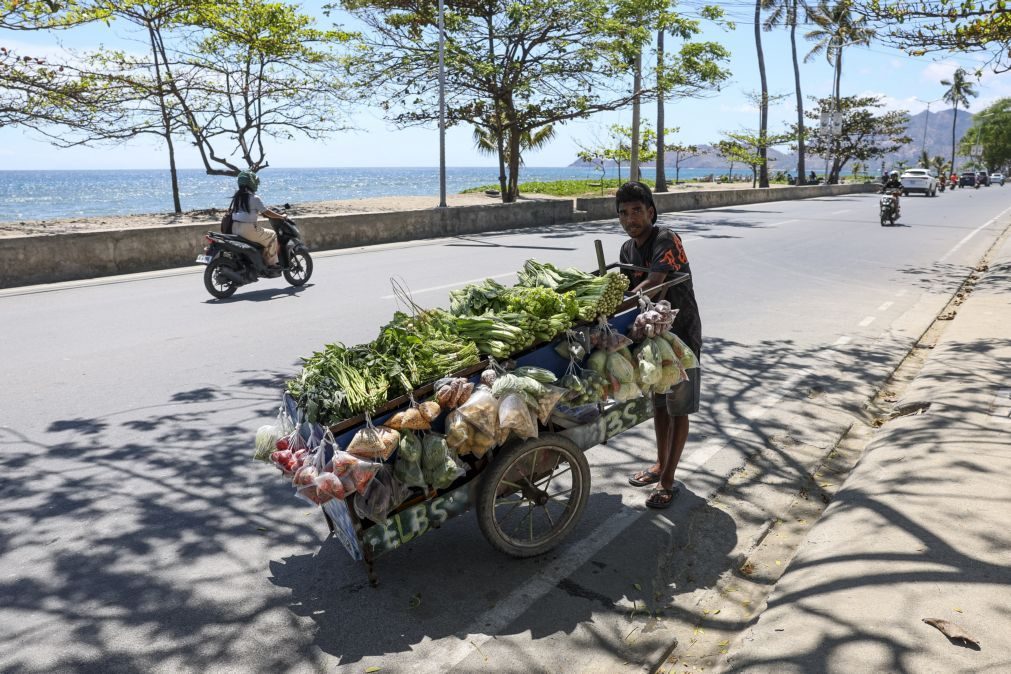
937, 141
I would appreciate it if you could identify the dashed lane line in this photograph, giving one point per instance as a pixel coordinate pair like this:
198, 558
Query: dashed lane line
885, 306
867, 321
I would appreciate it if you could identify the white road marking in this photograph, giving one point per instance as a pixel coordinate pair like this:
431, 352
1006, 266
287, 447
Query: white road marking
781, 222
843, 340
494, 621
973, 233
845, 210
450, 285
885, 306
901, 292
867, 321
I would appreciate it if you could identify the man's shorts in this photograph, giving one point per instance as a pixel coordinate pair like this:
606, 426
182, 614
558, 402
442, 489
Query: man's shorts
684, 398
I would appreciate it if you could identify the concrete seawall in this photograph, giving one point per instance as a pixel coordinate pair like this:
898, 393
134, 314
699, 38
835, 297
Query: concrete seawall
28, 260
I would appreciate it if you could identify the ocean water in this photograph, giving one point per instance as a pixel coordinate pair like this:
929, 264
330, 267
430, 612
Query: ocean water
39, 195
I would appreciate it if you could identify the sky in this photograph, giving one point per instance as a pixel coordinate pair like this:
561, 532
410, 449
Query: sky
904, 83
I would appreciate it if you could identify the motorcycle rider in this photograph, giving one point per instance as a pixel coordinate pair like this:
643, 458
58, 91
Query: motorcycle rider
893, 184
246, 207
954, 181
941, 181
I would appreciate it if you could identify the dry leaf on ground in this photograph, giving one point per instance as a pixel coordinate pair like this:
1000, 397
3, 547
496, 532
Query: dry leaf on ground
955, 633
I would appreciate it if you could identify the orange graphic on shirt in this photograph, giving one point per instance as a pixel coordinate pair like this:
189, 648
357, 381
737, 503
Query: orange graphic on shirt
675, 260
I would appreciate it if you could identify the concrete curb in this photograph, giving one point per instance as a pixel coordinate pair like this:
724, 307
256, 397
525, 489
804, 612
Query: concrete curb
29, 260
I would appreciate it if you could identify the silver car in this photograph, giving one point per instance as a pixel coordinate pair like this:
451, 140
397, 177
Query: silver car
997, 179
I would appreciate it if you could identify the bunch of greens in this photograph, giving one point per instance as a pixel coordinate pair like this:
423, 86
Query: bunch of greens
339, 382
422, 348
595, 295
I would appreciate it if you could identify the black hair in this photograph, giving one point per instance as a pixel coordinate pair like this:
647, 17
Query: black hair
240, 200
635, 191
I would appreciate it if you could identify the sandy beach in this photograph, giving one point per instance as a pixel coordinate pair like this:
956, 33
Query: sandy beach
350, 206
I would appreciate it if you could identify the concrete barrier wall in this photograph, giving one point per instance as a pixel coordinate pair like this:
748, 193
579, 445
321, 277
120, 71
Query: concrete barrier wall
599, 208
29, 260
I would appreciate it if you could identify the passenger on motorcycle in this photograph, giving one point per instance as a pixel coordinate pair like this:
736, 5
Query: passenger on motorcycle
942, 180
246, 208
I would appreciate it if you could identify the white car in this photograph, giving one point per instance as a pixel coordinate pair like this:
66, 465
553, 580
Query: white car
997, 179
919, 180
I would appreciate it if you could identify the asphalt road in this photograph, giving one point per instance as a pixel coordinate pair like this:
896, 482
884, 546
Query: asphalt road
137, 534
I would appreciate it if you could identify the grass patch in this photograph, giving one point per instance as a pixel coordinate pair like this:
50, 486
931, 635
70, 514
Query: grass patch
563, 188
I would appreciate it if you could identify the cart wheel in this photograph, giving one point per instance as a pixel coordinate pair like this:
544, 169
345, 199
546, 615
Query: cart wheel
532, 495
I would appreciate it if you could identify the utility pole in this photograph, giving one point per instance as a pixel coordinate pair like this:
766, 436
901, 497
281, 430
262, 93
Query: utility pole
633, 171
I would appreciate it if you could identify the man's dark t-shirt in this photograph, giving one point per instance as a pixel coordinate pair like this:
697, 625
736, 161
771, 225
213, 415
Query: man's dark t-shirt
664, 252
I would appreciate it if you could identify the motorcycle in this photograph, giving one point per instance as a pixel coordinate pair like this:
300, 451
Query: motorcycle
233, 261
889, 207
940, 186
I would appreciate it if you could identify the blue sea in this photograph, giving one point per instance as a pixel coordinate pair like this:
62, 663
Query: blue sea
42, 195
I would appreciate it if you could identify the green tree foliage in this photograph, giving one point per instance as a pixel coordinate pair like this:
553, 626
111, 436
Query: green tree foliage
866, 134
514, 67
991, 131
837, 27
750, 148
959, 91
618, 148
928, 26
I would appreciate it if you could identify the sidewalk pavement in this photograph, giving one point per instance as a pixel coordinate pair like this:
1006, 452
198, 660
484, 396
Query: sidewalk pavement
921, 529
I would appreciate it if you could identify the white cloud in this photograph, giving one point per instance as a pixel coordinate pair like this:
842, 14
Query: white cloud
938, 70
909, 104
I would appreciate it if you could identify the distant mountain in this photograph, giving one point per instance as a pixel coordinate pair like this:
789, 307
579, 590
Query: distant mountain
937, 141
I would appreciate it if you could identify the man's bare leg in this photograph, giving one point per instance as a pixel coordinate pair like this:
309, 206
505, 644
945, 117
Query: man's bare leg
678, 436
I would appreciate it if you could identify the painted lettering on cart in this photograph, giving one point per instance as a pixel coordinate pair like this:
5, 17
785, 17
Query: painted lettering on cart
624, 417
408, 524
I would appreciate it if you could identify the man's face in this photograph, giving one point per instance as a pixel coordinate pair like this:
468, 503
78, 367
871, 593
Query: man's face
636, 218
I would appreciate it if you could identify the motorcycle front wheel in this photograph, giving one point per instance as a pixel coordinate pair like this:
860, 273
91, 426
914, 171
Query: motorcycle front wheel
216, 284
299, 268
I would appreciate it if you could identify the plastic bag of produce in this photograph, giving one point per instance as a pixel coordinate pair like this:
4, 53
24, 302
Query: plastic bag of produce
619, 369
650, 365
481, 410
576, 344
409, 419
433, 455
278, 436
536, 373
330, 486
409, 472
598, 362
459, 431
374, 442
363, 473
409, 447
452, 392
546, 403
681, 350
305, 478
603, 336
384, 493
517, 416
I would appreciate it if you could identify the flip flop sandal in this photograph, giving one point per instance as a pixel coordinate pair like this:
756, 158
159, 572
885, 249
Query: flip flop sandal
644, 478
661, 498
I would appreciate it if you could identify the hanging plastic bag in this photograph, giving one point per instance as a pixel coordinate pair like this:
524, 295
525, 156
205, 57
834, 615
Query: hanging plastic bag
279, 436
603, 336
481, 409
687, 357
517, 416
305, 478
410, 419
408, 466
374, 442
452, 392
382, 496
546, 403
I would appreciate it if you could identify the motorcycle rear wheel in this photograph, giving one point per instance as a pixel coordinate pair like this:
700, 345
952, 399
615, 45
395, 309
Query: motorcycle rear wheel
299, 268
216, 284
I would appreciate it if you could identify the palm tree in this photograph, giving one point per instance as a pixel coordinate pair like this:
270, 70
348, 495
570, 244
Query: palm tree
924, 159
837, 28
487, 141
784, 12
763, 104
939, 164
959, 91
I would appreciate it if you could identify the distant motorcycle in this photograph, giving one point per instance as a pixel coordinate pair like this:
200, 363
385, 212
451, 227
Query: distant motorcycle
940, 186
888, 206
233, 261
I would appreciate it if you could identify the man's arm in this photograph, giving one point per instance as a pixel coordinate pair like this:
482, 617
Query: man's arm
654, 278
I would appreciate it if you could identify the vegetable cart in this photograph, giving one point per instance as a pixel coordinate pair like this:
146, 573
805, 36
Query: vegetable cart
527, 494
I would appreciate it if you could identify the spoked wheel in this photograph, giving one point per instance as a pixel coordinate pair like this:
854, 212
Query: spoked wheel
299, 268
216, 283
532, 495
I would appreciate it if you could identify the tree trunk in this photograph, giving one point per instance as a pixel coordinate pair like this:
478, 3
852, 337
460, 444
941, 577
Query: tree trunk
513, 187
954, 121
800, 99
661, 174
498, 113
633, 169
677, 170
166, 121
763, 123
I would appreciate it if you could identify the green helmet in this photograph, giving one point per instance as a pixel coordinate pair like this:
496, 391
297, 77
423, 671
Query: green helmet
249, 179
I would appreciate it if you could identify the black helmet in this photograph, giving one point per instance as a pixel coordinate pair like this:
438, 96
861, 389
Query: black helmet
635, 191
